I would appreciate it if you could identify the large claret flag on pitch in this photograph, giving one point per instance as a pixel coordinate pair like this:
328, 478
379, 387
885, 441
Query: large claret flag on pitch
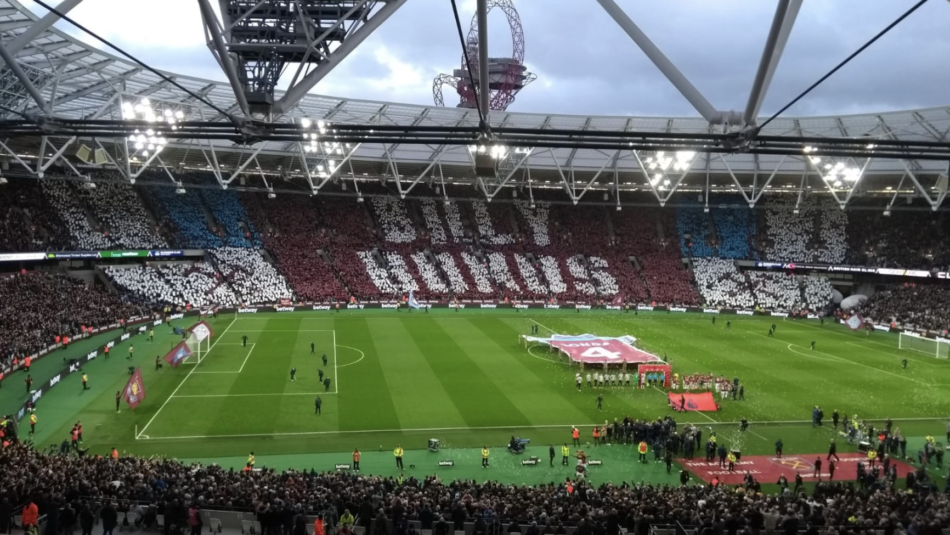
134, 392
178, 354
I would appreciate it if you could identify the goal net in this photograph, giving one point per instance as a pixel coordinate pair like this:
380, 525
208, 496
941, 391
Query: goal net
935, 348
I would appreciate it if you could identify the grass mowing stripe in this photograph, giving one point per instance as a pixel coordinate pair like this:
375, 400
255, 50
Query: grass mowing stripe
366, 400
475, 394
527, 385
141, 432
418, 396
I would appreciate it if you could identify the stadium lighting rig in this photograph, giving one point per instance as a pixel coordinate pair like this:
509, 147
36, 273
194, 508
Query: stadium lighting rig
151, 139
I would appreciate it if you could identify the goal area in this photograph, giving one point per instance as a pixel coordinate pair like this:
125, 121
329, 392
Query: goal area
928, 346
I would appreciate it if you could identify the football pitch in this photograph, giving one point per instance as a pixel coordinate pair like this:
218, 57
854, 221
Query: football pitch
463, 378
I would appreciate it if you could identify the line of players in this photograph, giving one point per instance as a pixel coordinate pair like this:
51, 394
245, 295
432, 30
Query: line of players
602, 380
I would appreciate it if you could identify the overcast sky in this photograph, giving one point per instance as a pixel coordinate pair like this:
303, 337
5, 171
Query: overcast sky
587, 65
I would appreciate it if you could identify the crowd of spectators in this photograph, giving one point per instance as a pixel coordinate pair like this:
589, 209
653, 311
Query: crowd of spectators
179, 284
429, 273
692, 221
502, 275
234, 226
775, 290
37, 306
119, 209
69, 207
453, 217
393, 219
788, 235
551, 269
667, 280
399, 272
606, 283
721, 284
530, 276
818, 293
491, 229
923, 306
52, 481
185, 215
905, 239
582, 280
430, 214
27, 222
378, 275
735, 227
479, 273
253, 279
536, 219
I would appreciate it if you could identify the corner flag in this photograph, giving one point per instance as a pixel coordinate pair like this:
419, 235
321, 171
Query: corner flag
178, 354
134, 391
412, 301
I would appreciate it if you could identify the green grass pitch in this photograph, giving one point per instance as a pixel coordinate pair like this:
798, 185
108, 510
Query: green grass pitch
462, 377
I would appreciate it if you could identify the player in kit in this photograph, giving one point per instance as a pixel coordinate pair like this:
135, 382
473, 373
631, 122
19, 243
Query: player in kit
588, 380
728, 324
577, 379
714, 320
903, 364
244, 340
312, 349
324, 359
771, 333
293, 374
813, 345
600, 402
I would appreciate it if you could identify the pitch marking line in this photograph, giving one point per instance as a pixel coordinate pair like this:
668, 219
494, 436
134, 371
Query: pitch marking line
242, 364
336, 376
152, 419
840, 359
362, 356
272, 394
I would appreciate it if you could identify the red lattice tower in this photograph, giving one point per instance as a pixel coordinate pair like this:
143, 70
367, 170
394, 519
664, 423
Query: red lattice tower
507, 76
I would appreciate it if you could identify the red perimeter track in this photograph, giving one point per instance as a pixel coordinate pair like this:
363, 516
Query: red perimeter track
767, 469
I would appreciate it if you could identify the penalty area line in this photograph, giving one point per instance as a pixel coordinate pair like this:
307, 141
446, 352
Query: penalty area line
152, 419
362, 356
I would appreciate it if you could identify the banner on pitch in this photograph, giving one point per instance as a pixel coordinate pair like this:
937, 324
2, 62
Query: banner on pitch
134, 392
854, 322
178, 354
413, 303
201, 330
591, 349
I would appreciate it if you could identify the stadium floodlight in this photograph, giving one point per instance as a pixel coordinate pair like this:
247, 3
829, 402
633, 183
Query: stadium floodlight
807, 149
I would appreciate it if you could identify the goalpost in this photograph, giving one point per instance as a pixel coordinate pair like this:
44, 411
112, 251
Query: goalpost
935, 348
199, 340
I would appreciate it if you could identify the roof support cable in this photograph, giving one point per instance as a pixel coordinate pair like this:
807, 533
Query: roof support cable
138, 62
880, 34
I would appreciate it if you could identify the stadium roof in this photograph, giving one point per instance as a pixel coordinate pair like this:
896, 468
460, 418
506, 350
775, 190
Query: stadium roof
82, 82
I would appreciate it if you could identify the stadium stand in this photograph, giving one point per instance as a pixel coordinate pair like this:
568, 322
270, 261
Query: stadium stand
493, 227
787, 235
430, 214
453, 217
253, 279
630, 286
502, 275
235, 227
393, 218
911, 305
906, 239
530, 276
721, 284
39, 305
405, 280
693, 221
120, 210
537, 220
776, 291
495, 508
27, 221
735, 226
550, 267
70, 210
185, 215
197, 284
478, 271
378, 275
429, 274
605, 282
817, 292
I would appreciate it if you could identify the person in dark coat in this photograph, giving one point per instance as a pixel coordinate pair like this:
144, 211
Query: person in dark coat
86, 520
381, 524
110, 519
441, 527
458, 518
300, 523
426, 517
365, 514
6, 511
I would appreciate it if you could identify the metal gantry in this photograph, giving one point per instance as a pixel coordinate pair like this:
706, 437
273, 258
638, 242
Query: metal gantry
61, 97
